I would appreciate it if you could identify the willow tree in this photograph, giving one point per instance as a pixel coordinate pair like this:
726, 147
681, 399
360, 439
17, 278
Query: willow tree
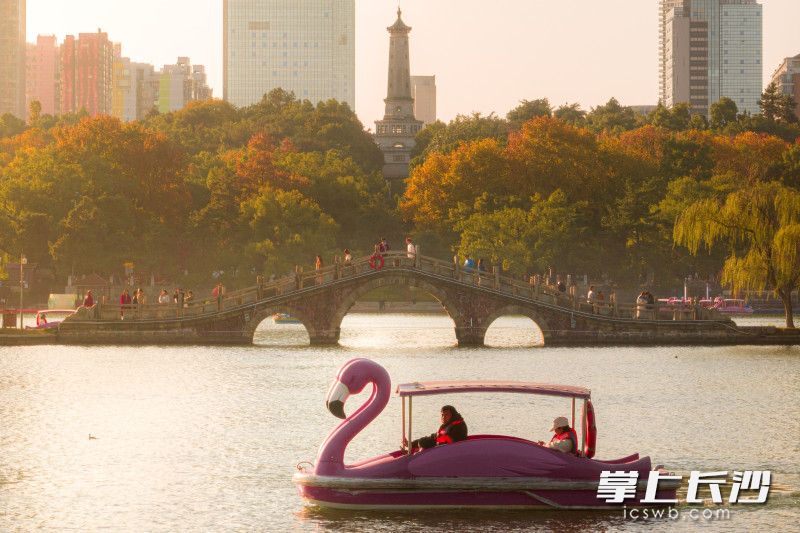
761, 227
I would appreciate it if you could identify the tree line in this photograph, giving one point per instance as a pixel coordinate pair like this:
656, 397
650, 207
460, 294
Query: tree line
621, 196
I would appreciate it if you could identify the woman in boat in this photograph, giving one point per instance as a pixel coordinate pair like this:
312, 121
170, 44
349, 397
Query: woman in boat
453, 429
565, 439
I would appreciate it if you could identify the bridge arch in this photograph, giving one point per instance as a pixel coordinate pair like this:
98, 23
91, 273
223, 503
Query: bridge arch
528, 312
323, 322
388, 280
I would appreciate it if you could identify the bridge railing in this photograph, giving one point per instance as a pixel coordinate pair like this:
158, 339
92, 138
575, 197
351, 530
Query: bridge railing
534, 289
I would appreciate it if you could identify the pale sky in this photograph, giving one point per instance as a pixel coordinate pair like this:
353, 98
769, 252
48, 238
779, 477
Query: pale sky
486, 56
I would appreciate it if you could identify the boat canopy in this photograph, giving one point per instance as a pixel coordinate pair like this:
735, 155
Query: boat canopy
424, 388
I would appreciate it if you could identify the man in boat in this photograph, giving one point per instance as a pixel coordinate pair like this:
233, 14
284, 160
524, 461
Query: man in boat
453, 429
565, 439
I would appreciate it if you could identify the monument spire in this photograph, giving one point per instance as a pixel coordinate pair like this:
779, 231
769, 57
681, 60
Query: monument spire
395, 133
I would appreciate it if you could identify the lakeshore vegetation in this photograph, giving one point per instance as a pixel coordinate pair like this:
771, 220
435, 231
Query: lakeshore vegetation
626, 198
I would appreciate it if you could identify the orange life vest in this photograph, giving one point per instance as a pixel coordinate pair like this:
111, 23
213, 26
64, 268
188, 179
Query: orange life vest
442, 437
568, 434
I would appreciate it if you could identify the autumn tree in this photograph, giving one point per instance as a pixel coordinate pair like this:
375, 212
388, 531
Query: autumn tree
446, 181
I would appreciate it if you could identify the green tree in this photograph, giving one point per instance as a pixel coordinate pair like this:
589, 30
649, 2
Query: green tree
611, 117
329, 125
698, 122
423, 139
787, 109
524, 241
723, 112
676, 119
526, 110
358, 202
465, 128
34, 111
571, 114
761, 226
10, 125
770, 102
287, 229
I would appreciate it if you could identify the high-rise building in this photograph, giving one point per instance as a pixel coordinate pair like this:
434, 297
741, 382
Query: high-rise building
12, 57
41, 74
138, 88
180, 84
710, 49
87, 66
200, 88
147, 82
303, 46
124, 92
395, 133
423, 90
787, 79
174, 90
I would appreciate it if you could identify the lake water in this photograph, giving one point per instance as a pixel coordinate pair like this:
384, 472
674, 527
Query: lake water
207, 438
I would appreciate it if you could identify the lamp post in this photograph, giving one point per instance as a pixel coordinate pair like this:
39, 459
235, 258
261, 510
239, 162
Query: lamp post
22, 262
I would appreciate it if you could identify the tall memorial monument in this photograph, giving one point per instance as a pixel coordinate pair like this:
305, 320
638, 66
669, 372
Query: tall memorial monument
395, 133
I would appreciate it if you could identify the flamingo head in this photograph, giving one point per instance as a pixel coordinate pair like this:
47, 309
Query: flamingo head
353, 376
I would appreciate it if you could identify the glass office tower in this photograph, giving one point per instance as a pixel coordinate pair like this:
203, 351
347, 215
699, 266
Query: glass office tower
710, 49
303, 46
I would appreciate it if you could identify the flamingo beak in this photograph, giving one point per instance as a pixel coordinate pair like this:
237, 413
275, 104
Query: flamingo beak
336, 398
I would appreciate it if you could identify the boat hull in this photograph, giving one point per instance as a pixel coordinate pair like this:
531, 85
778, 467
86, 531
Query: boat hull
454, 493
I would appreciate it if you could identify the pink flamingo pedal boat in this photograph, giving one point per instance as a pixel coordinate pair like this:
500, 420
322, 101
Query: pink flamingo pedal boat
484, 471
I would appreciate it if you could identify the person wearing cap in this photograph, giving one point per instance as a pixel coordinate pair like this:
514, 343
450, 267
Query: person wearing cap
453, 429
565, 439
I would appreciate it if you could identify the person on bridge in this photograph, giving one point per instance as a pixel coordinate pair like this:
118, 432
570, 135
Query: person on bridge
469, 264
218, 290
124, 300
565, 439
383, 245
89, 300
453, 429
348, 257
411, 249
318, 267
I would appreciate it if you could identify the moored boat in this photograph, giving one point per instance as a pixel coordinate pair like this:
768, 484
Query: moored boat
728, 306
483, 471
50, 318
284, 318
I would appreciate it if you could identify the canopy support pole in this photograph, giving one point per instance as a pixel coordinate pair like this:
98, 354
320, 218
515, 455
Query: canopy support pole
410, 417
584, 428
403, 427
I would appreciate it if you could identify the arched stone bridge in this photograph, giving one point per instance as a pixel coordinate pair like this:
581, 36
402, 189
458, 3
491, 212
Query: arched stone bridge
321, 299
